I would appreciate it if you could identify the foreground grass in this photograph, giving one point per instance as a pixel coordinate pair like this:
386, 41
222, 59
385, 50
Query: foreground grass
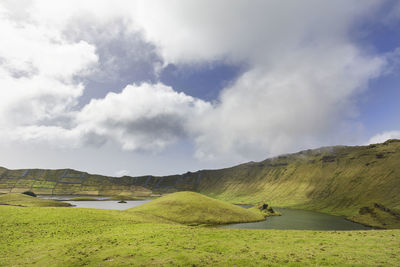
73, 237
194, 208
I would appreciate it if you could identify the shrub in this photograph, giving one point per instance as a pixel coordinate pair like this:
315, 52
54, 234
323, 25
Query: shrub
29, 193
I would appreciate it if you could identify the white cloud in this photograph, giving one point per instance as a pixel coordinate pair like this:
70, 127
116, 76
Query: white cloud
382, 137
303, 74
54, 136
142, 117
145, 117
37, 70
241, 31
298, 104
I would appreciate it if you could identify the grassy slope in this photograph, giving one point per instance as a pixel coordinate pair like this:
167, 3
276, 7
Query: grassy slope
72, 237
28, 201
194, 208
337, 180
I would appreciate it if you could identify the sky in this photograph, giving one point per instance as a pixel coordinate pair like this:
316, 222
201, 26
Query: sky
165, 87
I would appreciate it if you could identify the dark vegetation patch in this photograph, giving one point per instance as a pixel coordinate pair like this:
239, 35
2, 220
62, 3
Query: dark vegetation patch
29, 193
265, 209
328, 158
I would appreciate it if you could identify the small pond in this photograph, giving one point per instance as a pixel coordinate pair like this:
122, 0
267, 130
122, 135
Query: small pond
301, 220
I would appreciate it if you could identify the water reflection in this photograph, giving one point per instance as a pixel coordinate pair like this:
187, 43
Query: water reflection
301, 220
99, 202
108, 204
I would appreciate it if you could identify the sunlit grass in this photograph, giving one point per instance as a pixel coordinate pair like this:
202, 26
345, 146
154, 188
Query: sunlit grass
194, 208
73, 237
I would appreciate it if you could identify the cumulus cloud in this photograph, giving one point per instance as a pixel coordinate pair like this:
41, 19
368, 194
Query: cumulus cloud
37, 69
145, 117
303, 73
141, 117
294, 106
124, 56
236, 30
382, 137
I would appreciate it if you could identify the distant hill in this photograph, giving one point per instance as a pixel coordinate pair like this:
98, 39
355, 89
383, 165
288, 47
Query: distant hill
338, 180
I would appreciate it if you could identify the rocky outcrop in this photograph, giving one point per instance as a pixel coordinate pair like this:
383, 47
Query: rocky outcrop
265, 209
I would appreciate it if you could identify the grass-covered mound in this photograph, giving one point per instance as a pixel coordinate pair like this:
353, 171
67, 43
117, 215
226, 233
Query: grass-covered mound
194, 208
29, 201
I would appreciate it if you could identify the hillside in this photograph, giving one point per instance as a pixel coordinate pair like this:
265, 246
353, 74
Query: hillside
193, 208
334, 179
339, 180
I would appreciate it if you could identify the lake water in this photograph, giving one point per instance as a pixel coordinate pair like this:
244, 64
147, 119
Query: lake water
290, 219
301, 220
102, 204
108, 204
67, 197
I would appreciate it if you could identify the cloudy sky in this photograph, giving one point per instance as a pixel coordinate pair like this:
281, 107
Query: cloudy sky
162, 87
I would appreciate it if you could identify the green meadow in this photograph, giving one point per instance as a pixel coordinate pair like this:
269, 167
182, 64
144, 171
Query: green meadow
75, 237
143, 236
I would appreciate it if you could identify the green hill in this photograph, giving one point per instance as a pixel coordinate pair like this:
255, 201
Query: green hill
338, 180
194, 208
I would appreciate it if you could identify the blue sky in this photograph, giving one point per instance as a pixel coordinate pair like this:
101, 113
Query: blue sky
379, 106
204, 81
134, 87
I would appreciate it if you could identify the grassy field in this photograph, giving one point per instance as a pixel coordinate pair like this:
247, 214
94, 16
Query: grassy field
193, 208
43, 236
